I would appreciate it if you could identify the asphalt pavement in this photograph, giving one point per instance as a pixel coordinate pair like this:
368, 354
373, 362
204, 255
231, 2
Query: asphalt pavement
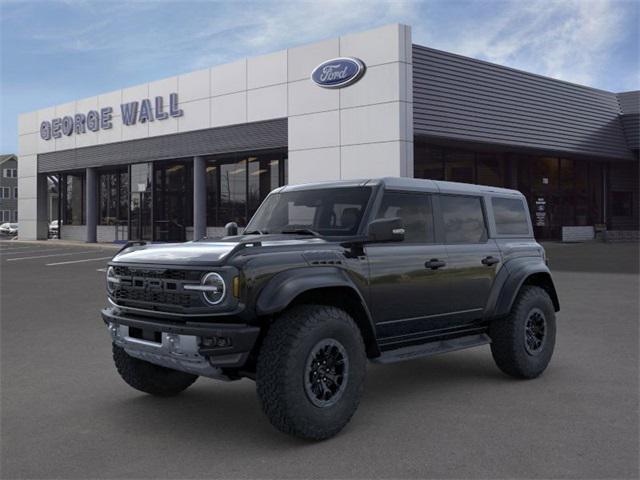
65, 413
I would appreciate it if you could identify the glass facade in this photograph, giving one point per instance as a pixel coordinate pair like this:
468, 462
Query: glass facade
73, 199
113, 197
237, 184
560, 191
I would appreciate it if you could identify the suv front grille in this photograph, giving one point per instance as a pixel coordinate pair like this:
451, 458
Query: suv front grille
159, 289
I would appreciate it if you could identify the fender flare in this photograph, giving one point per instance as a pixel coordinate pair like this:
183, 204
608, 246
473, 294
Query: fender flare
285, 286
509, 281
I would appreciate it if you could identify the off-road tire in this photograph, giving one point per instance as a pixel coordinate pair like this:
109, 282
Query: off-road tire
150, 378
508, 344
282, 364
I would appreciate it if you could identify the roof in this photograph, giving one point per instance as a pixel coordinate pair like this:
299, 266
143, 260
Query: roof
470, 100
630, 117
405, 183
6, 158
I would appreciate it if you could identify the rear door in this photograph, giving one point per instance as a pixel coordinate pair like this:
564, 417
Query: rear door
405, 291
473, 257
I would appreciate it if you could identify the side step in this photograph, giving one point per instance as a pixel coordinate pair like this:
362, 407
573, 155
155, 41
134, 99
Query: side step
432, 348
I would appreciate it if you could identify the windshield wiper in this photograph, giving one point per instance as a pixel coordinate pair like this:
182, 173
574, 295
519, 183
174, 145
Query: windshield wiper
301, 231
255, 232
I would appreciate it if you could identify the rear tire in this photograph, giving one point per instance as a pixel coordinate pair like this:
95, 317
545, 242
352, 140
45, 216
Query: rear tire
311, 371
522, 343
150, 378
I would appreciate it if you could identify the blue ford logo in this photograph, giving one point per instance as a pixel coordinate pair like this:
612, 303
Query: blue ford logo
338, 72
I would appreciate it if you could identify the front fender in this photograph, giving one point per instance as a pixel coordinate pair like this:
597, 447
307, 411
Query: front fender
511, 278
284, 287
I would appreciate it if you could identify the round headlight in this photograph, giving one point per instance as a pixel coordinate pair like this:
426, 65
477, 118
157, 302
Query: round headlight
214, 288
112, 280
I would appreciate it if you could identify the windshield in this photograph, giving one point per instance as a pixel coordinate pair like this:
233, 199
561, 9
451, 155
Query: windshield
327, 212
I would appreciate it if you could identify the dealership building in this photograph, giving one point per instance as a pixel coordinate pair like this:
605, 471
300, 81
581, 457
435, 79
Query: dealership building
178, 158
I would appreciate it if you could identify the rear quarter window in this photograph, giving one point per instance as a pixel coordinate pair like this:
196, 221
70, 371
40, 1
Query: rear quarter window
510, 216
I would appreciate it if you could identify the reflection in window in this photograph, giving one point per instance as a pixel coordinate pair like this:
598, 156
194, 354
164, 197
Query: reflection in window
237, 185
73, 202
415, 212
113, 195
463, 219
510, 216
460, 167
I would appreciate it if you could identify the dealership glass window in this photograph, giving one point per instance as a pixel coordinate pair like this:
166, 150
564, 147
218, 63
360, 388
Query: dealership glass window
73, 192
463, 219
490, 168
113, 197
428, 162
621, 204
459, 166
173, 200
237, 184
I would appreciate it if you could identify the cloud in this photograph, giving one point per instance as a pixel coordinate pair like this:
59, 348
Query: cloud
569, 40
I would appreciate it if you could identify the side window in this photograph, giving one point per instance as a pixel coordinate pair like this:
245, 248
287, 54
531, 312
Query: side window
510, 215
415, 211
463, 219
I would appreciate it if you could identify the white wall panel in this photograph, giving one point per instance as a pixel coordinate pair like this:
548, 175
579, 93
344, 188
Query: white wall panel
162, 88
267, 70
28, 144
371, 123
196, 115
229, 109
266, 103
306, 97
229, 78
314, 165
380, 84
371, 160
194, 85
314, 130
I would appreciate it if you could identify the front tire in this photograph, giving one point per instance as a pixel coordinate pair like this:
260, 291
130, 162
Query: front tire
522, 343
150, 378
311, 370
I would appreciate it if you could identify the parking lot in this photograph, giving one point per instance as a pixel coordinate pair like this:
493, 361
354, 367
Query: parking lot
66, 414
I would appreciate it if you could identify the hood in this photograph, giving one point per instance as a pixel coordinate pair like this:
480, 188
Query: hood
205, 252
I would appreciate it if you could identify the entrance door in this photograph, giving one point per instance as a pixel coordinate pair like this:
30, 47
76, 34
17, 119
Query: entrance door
140, 217
140, 213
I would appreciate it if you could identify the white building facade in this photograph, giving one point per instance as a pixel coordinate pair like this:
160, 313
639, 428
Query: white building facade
177, 158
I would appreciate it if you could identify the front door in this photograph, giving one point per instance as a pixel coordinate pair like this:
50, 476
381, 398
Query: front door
408, 288
473, 258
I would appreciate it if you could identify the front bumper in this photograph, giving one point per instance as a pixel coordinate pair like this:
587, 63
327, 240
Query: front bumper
194, 347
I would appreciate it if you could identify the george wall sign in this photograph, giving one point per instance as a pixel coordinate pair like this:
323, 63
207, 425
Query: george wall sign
94, 120
338, 72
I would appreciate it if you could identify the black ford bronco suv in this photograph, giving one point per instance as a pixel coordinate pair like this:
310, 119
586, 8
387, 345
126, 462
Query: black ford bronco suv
325, 277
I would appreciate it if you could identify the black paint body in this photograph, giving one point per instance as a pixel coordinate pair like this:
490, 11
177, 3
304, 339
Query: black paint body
399, 293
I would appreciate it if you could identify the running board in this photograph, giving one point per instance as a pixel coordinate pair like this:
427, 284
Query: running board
432, 348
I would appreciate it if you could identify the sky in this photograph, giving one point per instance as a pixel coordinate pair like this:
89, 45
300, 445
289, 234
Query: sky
55, 51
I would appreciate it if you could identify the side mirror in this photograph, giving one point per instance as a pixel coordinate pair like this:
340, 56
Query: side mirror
386, 230
231, 229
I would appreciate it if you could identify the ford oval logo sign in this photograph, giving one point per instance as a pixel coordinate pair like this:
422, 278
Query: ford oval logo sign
338, 73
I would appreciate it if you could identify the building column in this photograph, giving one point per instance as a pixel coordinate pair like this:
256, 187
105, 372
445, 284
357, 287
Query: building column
91, 205
199, 198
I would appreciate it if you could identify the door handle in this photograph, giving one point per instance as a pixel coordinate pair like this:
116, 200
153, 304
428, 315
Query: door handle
434, 264
488, 261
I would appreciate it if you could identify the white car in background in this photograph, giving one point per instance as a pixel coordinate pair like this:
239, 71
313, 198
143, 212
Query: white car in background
9, 229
